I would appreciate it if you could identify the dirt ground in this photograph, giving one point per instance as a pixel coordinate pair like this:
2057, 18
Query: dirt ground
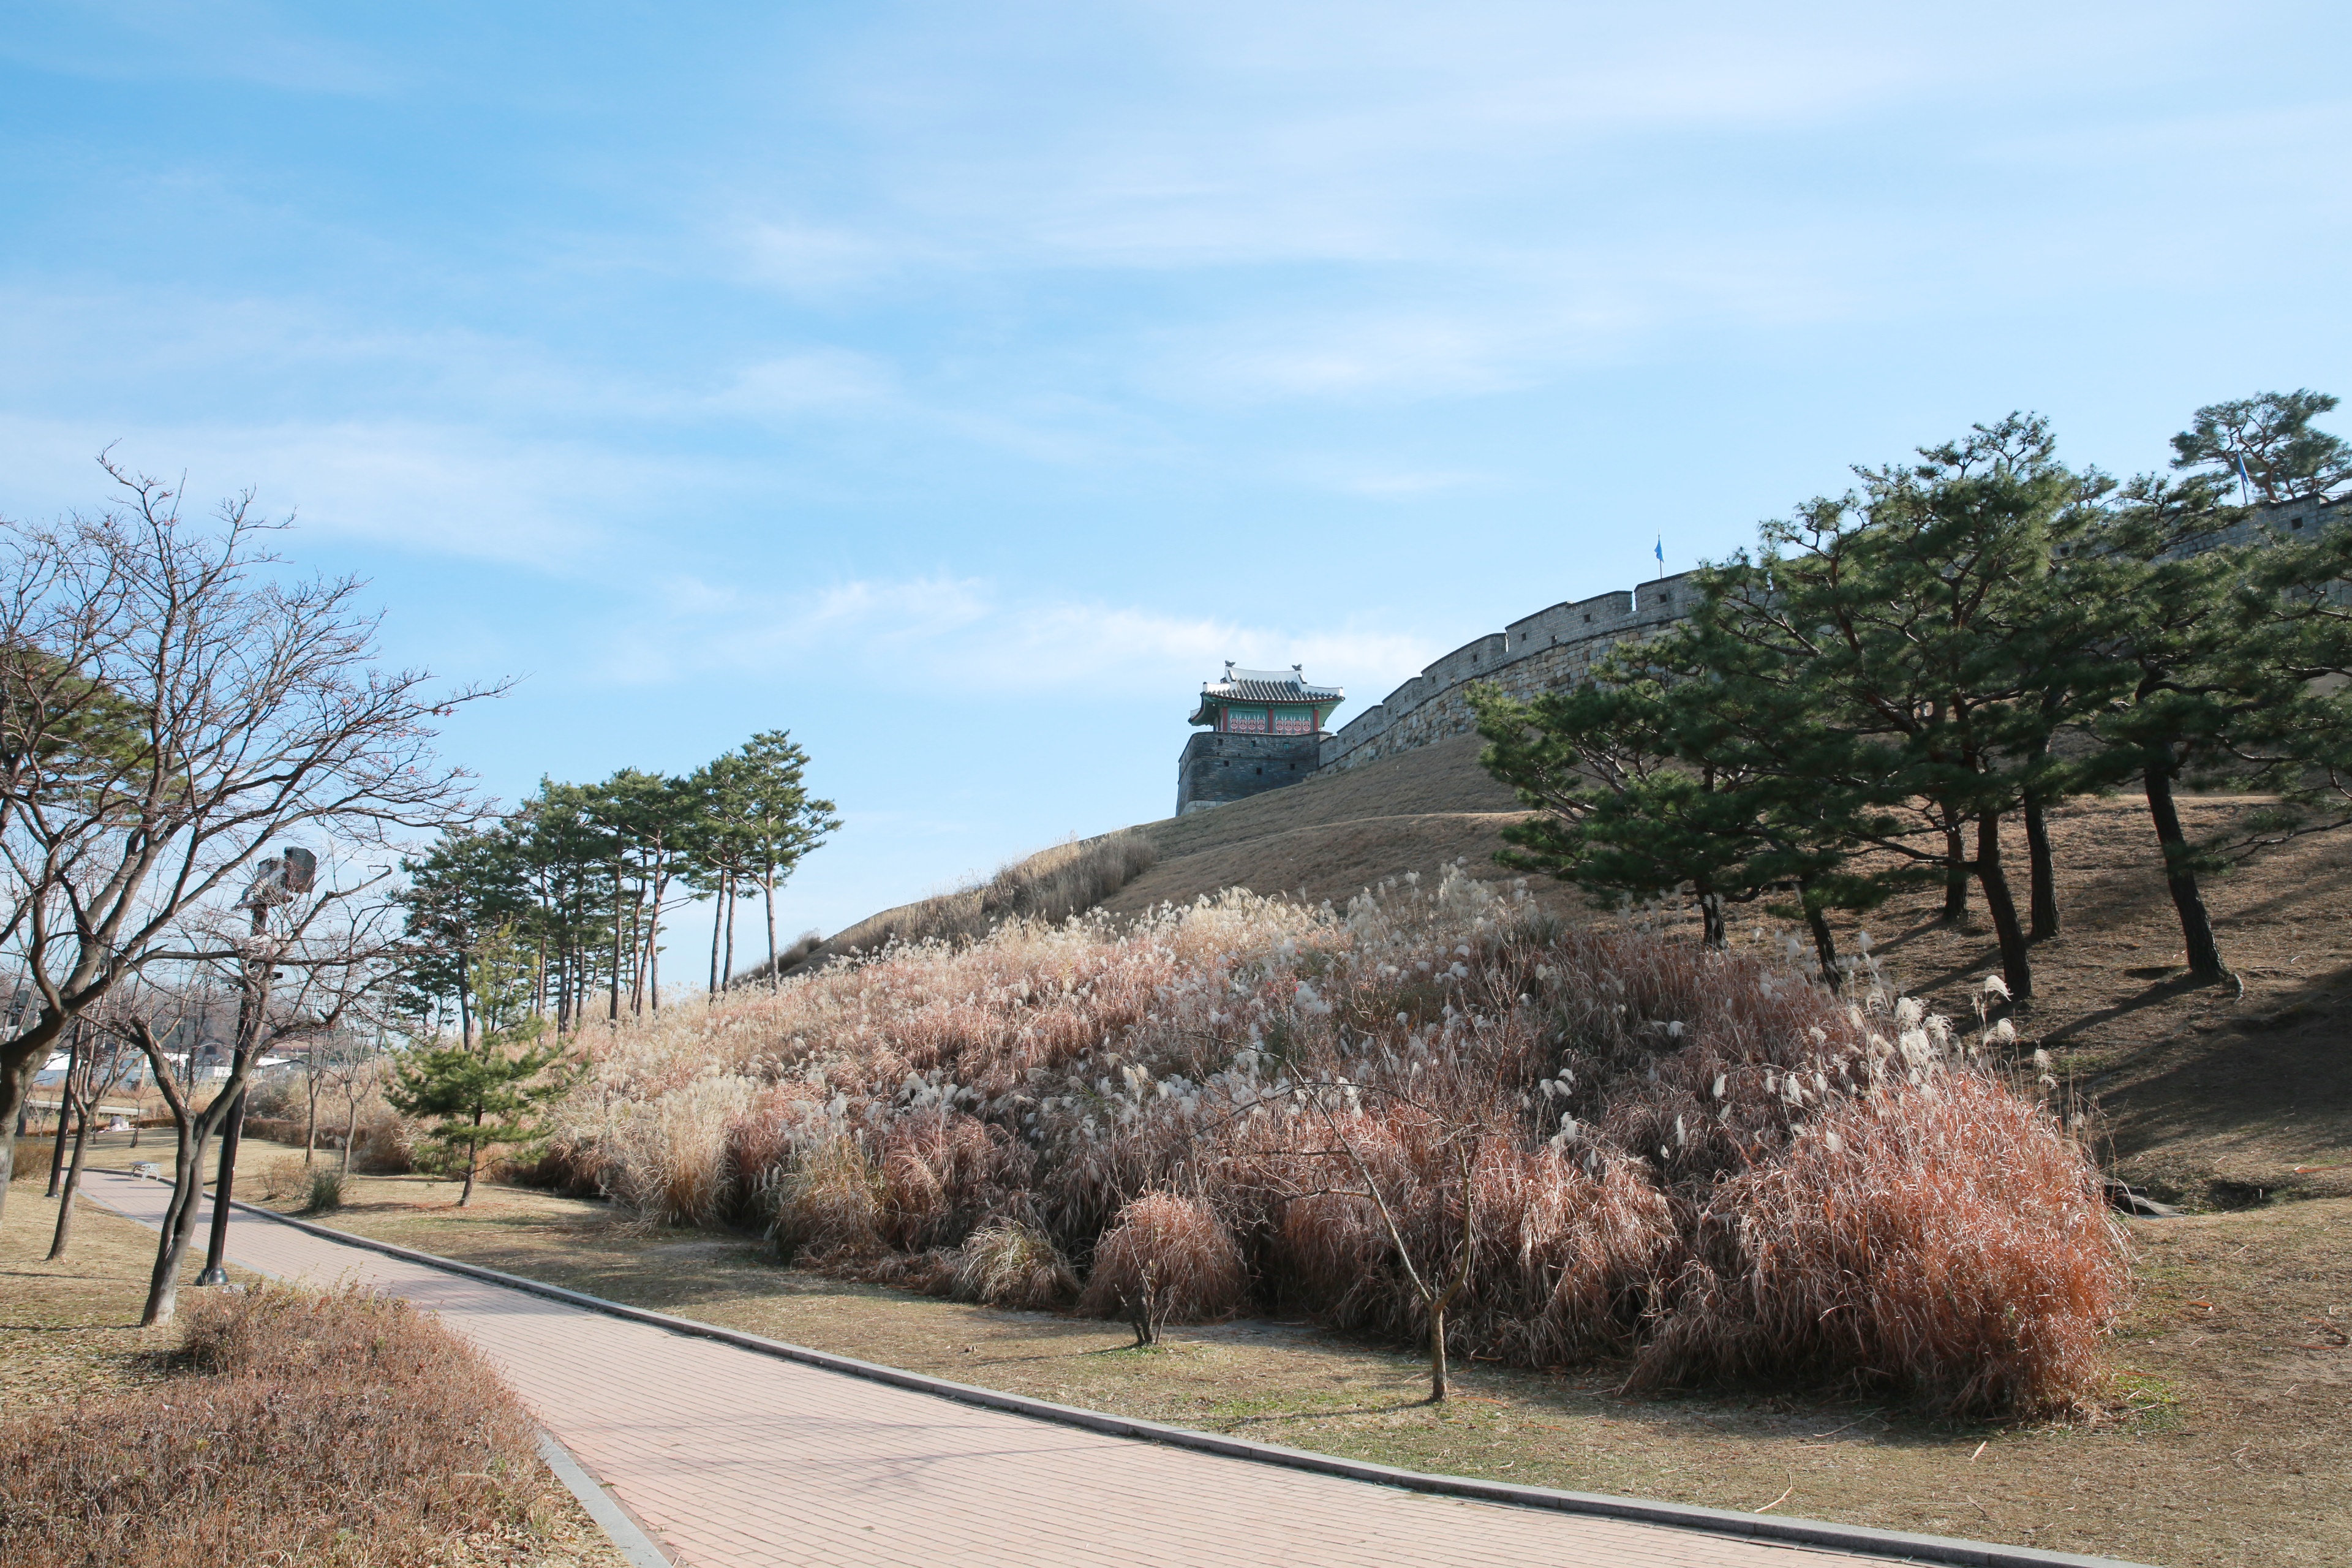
2227, 1439
68, 1331
2214, 1097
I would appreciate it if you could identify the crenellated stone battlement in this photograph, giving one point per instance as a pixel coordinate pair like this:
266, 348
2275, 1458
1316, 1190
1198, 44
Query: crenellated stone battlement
1552, 648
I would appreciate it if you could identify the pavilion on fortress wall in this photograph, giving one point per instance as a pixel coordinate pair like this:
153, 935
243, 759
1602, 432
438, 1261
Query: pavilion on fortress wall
1264, 729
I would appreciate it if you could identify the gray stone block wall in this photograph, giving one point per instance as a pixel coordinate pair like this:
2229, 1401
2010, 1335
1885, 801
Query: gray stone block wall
1217, 769
1551, 648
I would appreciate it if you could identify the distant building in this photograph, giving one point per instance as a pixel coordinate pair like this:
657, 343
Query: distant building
1264, 729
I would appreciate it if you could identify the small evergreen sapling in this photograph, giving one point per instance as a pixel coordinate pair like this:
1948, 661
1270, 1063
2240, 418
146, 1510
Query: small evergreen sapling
490, 1092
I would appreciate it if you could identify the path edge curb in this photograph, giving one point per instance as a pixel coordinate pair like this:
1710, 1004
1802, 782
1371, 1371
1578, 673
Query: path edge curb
1900, 1545
614, 1520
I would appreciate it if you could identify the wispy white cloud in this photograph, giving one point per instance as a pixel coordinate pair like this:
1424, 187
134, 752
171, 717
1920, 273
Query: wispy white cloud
797, 384
969, 635
411, 486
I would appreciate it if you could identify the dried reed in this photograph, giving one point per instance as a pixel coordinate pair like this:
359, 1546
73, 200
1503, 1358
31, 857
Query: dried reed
1009, 1264
1623, 1126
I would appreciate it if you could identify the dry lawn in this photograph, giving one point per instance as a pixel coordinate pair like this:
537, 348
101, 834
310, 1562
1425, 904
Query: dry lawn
2227, 1438
72, 1362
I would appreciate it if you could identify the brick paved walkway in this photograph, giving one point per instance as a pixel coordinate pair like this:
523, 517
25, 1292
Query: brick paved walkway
732, 1458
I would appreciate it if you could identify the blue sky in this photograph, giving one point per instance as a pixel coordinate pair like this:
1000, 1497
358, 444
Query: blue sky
957, 386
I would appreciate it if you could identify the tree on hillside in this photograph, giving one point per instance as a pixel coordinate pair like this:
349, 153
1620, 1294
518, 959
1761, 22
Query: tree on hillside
488, 1093
2268, 440
564, 854
1647, 787
776, 819
176, 705
653, 826
468, 885
723, 853
1913, 617
2223, 653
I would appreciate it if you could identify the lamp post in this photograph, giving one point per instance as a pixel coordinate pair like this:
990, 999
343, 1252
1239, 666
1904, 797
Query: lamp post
279, 881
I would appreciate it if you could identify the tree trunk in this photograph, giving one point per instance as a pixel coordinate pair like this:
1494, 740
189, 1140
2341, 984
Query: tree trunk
768, 887
224, 1186
734, 896
73, 1181
2044, 888
21, 1082
1438, 1383
472, 1158
2204, 954
350, 1135
1956, 876
2016, 964
23, 1056
1711, 923
1824, 943
65, 1109
617, 943
58, 1140
717, 910
636, 957
653, 946
179, 1228
310, 1130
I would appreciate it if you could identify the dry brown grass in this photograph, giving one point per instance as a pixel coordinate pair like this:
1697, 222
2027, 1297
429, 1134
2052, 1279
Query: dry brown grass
1624, 1097
1009, 1264
1165, 1259
341, 1428
2224, 1441
1925, 1239
1049, 887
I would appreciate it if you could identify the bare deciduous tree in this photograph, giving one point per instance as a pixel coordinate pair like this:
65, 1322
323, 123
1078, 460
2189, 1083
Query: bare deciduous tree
338, 944
1336, 1105
100, 1066
171, 704
349, 1064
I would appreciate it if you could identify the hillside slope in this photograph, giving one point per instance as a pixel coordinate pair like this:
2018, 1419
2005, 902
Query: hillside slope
2204, 1094
1333, 836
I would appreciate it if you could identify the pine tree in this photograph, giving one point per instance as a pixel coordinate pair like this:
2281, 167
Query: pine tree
488, 1092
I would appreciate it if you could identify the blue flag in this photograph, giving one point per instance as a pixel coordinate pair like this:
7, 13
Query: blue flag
1662, 551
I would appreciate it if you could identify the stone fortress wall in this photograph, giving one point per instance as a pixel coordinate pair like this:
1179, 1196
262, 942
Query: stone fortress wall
1551, 648
1558, 647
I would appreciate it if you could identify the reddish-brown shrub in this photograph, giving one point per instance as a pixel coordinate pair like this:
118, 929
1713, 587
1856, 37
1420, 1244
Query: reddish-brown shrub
831, 1204
340, 1429
1168, 1259
1943, 1240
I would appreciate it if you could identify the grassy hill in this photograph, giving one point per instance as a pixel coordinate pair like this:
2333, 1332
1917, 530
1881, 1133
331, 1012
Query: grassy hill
1331, 836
